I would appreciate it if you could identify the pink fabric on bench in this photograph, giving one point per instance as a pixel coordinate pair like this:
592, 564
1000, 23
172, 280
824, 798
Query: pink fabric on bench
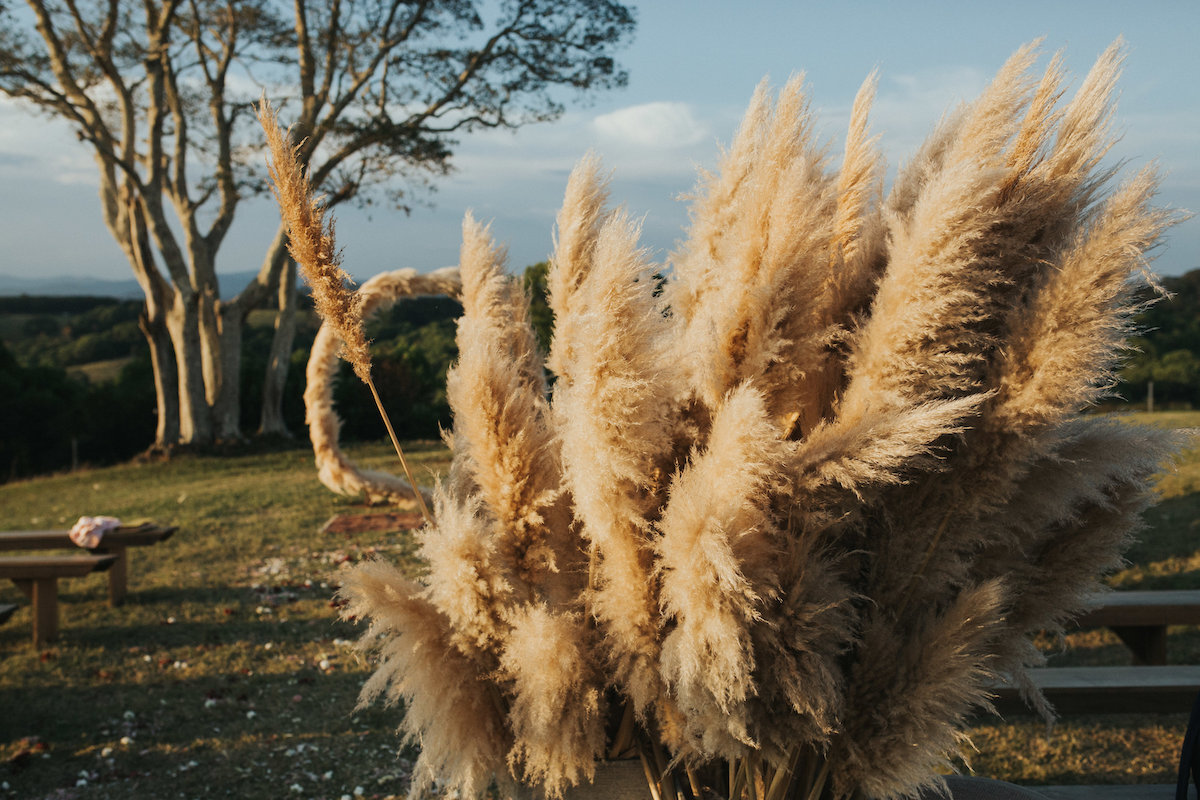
88, 531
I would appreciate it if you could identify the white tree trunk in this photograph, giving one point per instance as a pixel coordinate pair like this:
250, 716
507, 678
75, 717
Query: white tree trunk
224, 372
195, 417
271, 420
166, 386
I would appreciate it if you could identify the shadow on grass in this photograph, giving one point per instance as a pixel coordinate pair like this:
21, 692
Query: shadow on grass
168, 736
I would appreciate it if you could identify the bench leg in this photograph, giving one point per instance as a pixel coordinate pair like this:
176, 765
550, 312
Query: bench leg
1148, 643
44, 594
117, 574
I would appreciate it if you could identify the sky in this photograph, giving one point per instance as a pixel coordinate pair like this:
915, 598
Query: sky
693, 65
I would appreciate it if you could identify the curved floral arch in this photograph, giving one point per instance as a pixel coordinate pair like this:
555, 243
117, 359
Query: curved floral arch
334, 468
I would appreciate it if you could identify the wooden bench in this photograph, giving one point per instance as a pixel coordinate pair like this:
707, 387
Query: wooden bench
1140, 619
115, 542
37, 577
1109, 690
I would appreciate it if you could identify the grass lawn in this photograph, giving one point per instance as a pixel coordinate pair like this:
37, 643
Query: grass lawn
226, 673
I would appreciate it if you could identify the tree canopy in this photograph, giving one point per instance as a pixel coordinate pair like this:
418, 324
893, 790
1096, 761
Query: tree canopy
377, 93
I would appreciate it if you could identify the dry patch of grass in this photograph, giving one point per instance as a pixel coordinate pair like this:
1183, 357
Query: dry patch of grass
1097, 750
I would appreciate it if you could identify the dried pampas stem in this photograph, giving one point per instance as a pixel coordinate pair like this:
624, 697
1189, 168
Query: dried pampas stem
311, 243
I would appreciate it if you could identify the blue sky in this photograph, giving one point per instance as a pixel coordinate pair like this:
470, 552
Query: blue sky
693, 66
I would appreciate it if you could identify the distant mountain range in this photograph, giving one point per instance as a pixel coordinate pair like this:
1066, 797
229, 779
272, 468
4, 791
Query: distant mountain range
127, 289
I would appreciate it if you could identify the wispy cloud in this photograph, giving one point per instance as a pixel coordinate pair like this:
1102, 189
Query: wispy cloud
659, 126
32, 147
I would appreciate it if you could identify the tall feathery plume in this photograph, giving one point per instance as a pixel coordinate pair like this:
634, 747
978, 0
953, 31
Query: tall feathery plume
615, 413
927, 336
909, 737
922, 340
558, 708
502, 438
772, 261
577, 228
855, 255
717, 560
995, 454
714, 212
518, 549
447, 707
311, 243
1065, 345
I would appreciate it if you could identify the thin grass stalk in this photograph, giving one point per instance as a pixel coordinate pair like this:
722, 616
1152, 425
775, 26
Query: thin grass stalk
693, 782
648, 768
818, 784
783, 778
387, 422
624, 737
666, 781
739, 773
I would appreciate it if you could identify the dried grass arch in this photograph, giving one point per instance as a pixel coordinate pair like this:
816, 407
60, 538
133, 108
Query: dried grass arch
334, 468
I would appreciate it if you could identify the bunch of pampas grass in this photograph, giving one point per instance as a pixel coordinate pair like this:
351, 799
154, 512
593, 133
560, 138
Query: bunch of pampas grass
799, 496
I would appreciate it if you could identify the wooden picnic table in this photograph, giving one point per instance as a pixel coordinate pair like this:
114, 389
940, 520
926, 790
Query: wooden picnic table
1108, 690
1140, 618
37, 577
115, 542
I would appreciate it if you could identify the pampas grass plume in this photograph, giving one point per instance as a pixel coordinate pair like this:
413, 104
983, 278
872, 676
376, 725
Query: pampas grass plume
311, 242
795, 499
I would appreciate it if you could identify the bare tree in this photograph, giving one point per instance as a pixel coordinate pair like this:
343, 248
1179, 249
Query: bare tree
376, 91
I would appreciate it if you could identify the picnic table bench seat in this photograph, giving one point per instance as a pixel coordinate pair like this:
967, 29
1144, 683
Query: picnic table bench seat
1108, 690
1140, 619
115, 542
37, 577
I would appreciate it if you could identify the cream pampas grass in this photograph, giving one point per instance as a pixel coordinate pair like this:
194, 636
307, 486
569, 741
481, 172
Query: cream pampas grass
787, 505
